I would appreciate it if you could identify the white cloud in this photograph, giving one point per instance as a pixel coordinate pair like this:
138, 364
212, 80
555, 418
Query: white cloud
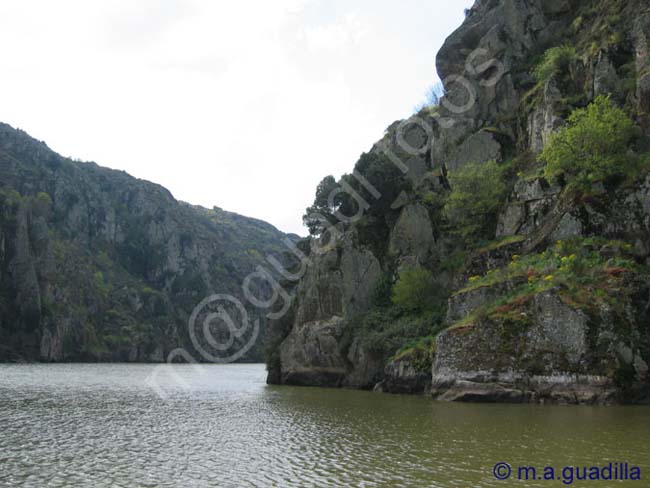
245, 105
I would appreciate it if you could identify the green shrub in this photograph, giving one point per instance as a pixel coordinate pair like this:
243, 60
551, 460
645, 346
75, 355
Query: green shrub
593, 145
415, 290
556, 60
381, 293
9, 196
385, 331
478, 191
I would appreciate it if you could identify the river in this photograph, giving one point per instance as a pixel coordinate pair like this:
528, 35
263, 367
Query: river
118, 425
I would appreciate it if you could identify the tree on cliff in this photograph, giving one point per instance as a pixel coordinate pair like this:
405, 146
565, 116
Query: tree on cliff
374, 185
593, 146
478, 191
320, 213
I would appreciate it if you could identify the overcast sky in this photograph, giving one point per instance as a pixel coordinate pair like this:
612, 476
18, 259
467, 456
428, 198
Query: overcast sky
243, 104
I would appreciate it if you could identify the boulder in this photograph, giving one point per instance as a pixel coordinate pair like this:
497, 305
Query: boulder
477, 148
412, 235
527, 207
366, 367
569, 226
402, 376
310, 355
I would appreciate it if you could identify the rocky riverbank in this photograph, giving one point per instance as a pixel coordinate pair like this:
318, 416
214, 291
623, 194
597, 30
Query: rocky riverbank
552, 302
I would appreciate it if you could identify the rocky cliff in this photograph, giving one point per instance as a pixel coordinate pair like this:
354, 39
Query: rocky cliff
548, 299
96, 265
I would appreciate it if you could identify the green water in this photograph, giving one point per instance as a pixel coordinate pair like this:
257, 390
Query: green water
221, 426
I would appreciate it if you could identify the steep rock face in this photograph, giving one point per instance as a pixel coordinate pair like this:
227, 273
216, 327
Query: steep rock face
510, 333
97, 265
318, 344
530, 201
559, 355
547, 348
334, 290
477, 148
536, 209
642, 58
481, 66
412, 234
545, 118
311, 355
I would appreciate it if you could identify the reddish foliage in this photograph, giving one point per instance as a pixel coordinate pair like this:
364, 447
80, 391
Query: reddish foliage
615, 271
514, 304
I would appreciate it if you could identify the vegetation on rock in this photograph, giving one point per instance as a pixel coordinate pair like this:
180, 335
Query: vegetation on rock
419, 352
528, 211
98, 266
320, 214
477, 193
556, 60
403, 312
587, 273
593, 146
415, 290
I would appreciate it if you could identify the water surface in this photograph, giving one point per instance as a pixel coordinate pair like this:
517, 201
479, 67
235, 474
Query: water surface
221, 426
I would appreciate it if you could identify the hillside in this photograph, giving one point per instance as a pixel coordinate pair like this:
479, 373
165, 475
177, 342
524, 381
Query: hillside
96, 265
494, 247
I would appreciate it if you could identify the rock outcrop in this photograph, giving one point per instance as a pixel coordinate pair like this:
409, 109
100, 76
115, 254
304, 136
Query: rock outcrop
550, 358
405, 376
334, 290
510, 332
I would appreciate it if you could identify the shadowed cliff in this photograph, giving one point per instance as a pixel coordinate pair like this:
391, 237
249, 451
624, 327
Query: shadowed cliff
96, 265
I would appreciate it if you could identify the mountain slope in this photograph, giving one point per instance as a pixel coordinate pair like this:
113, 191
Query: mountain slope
98, 265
